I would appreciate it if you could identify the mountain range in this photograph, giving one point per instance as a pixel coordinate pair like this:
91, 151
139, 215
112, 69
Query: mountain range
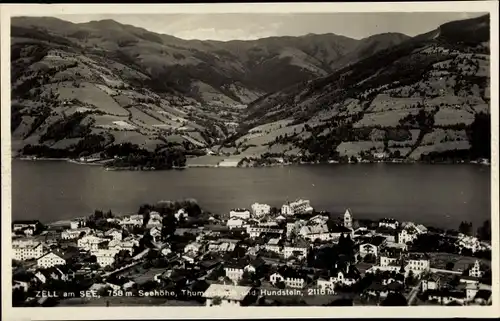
82, 88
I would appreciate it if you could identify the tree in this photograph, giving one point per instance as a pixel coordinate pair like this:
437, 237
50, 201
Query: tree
484, 231
280, 284
395, 299
146, 217
465, 228
169, 225
410, 279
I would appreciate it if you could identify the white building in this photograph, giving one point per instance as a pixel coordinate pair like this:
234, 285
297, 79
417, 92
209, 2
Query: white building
348, 219
418, 263
260, 209
116, 234
235, 222
75, 233
274, 245
408, 235
155, 220
240, 213
388, 222
50, 259
431, 283
291, 279
132, 220
255, 232
226, 295
386, 260
300, 250
193, 247
372, 247
297, 207
89, 242
28, 250
105, 257
77, 223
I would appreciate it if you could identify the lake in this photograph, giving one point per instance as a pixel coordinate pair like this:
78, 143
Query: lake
438, 195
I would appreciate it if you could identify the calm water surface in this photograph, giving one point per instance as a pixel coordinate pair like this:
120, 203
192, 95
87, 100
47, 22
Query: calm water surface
440, 195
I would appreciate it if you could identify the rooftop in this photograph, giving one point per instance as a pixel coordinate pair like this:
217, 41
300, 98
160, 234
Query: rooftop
227, 292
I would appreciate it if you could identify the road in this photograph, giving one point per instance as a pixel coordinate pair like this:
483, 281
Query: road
413, 293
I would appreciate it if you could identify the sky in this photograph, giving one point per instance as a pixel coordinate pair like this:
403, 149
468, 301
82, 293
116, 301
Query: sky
250, 26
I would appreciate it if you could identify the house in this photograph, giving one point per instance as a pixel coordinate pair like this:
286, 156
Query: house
373, 246
291, 277
27, 250
105, 257
259, 210
51, 259
155, 220
73, 234
234, 222
377, 289
228, 295
293, 227
468, 242
298, 249
299, 206
193, 247
318, 220
274, 245
234, 269
432, 282
77, 223
348, 219
417, 263
20, 225
44, 275
241, 213
115, 234
408, 234
89, 242
389, 258
280, 218
255, 231
222, 245
190, 257
308, 230
345, 274
445, 296
388, 222
132, 220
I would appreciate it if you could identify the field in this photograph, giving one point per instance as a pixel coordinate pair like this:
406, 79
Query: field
439, 147
385, 118
461, 263
354, 148
90, 94
453, 116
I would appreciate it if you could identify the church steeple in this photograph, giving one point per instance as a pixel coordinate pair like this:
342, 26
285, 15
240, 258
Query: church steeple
348, 219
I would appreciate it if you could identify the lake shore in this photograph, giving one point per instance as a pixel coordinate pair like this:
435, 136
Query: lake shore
218, 165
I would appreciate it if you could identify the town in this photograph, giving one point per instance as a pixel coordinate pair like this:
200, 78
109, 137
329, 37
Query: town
173, 253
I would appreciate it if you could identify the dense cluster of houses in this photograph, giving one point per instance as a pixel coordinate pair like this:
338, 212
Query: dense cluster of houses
252, 249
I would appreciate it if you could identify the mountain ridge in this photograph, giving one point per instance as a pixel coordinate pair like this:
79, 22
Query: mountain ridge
160, 91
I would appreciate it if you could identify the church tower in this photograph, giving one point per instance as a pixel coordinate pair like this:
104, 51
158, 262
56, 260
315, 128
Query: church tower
348, 219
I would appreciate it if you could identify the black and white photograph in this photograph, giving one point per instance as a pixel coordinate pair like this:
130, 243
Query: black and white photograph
232, 158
